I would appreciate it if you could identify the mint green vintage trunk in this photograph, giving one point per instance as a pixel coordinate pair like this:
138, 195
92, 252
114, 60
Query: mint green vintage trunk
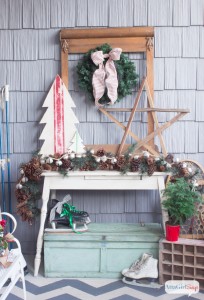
103, 251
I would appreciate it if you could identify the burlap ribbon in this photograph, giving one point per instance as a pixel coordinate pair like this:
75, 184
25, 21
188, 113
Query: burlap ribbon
105, 76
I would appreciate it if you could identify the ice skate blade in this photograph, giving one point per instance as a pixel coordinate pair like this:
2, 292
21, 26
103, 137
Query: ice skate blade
145, 282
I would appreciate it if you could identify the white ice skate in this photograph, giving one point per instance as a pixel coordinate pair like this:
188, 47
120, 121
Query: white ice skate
136, 266
143, 272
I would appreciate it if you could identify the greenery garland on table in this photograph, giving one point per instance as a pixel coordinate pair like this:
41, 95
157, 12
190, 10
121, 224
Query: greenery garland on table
28, 186
127, 77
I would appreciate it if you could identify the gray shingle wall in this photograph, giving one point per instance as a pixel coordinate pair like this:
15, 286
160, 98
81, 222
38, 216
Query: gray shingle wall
30, 59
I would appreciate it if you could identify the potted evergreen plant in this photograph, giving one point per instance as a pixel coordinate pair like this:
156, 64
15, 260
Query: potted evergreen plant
180, 202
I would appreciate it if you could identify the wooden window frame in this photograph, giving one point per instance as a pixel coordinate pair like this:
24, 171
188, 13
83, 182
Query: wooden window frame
137, 39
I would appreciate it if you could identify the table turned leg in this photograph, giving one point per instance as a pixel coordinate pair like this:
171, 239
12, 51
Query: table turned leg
45, 198
161, 188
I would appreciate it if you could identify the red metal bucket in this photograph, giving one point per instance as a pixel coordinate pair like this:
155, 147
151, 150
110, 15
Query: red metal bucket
172, 232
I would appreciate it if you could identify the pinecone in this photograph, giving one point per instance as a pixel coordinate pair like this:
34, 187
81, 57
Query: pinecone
54, 168
151, 165
161, 168
120, 162
35, 160
169, 158
66, 163
151, 169
27, 170
47, 167
135, 164
22, 194
85, 167
180, 166
100, 152
150, 161
184, 172
104, 166
37, 173
57, 155
18, 206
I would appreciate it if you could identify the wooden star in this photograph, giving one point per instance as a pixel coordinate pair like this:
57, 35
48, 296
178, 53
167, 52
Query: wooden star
151, 109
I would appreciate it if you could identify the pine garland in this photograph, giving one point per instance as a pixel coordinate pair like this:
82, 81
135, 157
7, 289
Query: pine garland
127, 77
28, 186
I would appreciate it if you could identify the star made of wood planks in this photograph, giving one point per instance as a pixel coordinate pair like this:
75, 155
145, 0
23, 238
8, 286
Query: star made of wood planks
150, 109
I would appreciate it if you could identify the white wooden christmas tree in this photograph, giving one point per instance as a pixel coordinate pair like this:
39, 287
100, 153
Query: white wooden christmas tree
77, 144
60, 120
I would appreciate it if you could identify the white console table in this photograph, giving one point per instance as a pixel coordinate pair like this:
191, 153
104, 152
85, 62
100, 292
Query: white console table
93, 180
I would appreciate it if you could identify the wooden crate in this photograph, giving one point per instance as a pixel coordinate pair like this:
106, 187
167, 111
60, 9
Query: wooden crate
102, 252
181, 260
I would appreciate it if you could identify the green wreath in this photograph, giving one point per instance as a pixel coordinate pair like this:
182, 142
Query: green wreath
127, 77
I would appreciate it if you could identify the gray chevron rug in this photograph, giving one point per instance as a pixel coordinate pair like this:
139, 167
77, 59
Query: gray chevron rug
89, 289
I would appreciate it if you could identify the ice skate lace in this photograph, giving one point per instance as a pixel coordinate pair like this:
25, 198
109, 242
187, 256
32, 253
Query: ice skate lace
138, 265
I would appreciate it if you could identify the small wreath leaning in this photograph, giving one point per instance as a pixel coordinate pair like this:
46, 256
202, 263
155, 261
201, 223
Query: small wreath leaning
126, 73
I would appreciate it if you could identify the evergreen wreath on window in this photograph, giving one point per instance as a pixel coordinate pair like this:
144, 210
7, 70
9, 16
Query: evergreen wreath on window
126, 73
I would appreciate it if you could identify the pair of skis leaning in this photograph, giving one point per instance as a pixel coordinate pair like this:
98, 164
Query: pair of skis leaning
5, 159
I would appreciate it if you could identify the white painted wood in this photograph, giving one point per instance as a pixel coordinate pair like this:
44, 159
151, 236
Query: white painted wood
47, 41
201, 41
69, 121
41, 13
80, 101
54, 69
17, 159
174, 137
197, 8
200, 77
159, 74
87, 132
186, 99
35, 105
159, 13
13, 69
4, 14
25, 137
112, 202
199, 106
120, 13
130, 201
191, 137
62, 13
76, 144
97, 180
15, 14
27, 13
168, 42
36, 77
82, 13
170, 73
22, 107
201, 136
6, 45
186, 73
98, 13
15, 271
105, 218
140, 12
100, 135
73, 85
165, 99
190, 37
181, 13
